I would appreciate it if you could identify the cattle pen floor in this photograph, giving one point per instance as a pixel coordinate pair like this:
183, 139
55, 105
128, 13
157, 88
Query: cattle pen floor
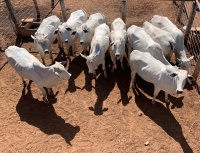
97, 115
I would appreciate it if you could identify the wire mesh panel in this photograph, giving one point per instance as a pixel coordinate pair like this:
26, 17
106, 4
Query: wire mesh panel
31, 10
6, 30
193, 42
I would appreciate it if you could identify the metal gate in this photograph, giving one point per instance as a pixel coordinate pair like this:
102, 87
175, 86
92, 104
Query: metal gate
24, 12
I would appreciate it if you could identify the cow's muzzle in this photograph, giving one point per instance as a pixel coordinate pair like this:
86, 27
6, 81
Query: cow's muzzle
66, 41
179, 92
81, 42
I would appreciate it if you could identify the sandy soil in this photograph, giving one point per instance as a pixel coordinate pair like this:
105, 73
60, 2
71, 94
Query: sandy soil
102, 115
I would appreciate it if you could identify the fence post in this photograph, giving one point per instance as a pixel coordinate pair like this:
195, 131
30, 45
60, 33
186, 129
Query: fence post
124, 10
180, 11
62, 5
37, 10
190, 22
197, 69
12, 14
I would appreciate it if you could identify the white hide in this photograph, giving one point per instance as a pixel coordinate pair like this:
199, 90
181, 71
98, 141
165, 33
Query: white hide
99, 46
67, 31
29, 67
179, 50
86, 31
138, 39
118, 41
164, 38
45, 35
164, 77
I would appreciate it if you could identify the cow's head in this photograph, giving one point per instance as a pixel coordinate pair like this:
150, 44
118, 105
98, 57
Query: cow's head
179, 77
91, 62
59, 70
185, 63
84, 34
41, 42
118, 44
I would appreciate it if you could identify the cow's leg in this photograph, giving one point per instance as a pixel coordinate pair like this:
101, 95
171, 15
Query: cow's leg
155, 94
129, 50
133, 73
73, 50
50, 54
114, 62
121, 61
44, 94
24, 82
42, 57
125, 55
104, 68
60, 44
166, 98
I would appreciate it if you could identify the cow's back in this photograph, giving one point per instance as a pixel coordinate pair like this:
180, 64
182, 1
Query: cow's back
145, 65
118, 24
99, 17
52, 20
101, 37
21, 60
76, 18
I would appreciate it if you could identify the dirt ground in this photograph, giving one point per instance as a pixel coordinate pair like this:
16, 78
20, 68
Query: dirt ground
97, 115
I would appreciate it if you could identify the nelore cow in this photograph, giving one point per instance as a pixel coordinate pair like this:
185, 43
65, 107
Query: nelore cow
164, 77
179, 50
67, 31
118, 41
99, 46
29, 67
45, 35
138, 39
86, 31
164, 38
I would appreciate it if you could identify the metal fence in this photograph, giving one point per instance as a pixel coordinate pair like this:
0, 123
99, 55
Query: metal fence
23, 10
189, 17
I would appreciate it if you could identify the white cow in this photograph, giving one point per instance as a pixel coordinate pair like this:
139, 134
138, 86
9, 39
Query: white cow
46, 35
67, 31
99, 46
164, 77
29, 67
164, 38
179, 50
138, 39
118, 41
86, 31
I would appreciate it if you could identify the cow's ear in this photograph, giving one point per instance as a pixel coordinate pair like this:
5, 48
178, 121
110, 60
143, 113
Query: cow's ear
97, 53
86, 31
45, 36
83, 56
111, 43
74, 32
173, 74
191, 78
33, 37
63, 62
191, 57
56, 31
68, 29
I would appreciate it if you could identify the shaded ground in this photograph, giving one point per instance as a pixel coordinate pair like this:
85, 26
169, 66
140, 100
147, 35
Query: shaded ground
101, 115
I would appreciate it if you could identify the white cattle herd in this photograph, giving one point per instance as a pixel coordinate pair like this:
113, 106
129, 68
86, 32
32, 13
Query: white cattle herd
149, 50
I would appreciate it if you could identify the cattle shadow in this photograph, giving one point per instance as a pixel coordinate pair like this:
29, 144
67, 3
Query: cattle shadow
163, 118
76, 66
103, 87
122, 78
148, 88
38, 114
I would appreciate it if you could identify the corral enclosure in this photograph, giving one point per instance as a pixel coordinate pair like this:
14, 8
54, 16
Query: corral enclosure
88, 115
